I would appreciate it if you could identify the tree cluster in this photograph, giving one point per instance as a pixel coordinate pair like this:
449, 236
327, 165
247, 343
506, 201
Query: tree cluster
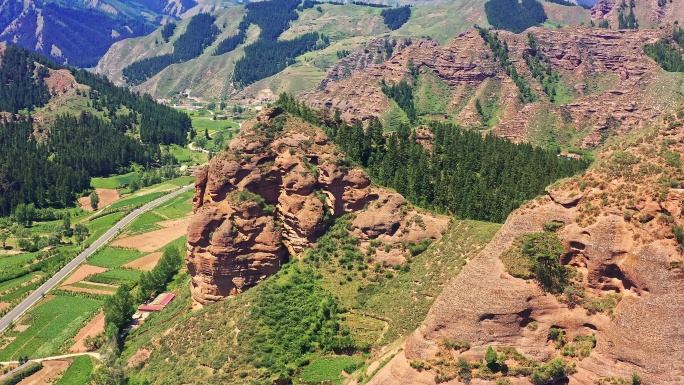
199, 34
156, 280
540, 67
666, 55
465, 174
167, 31
629, 21
118, 310
500, 51
513, 15
394, 18
402, 93
268, 55
22, 84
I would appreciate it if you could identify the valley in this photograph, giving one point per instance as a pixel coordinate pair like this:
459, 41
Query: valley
311, 193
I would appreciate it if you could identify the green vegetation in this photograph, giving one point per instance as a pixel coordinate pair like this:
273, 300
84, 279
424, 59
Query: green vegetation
329, 369
629, 21
431, 94
177, 207
156, 280
23, 84
540, 67
394, 18
471, 176
145, 223
514, 16
112, 257
544, 251
554, 369
501, 52
136, 200
78, 373
118, 310
402, 93
199, 34
666, 55
52, 323
113, 182
26, 372
101, 225
117, 276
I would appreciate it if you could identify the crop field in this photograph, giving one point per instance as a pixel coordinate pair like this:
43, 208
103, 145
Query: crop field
116, 277
144, 223
113, 182
99, 226
93, 288
51, 324
113, 257
364, 330
177, 207
330, 369
13, 284
185, 155
18, 260
137, 200
78, 372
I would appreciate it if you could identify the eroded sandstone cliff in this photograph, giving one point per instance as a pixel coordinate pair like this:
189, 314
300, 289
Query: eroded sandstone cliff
610, 85
272, 193
620, 225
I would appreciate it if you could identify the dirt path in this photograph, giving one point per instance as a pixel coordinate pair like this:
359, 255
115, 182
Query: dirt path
48, 374
157, 239
88, 290
107, 197
146, 263
93, 328
83, 272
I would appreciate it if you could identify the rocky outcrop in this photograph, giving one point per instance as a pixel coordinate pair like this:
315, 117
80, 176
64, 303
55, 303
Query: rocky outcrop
273, 193
620, 98
618, 234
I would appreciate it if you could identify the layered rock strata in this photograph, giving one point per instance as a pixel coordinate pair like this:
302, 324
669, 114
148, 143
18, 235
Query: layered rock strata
272, 193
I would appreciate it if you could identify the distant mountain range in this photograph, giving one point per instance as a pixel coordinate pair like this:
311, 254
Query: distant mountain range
79, 32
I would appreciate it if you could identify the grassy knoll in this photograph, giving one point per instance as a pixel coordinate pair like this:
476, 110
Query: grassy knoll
53, 322
78, 373
113, 257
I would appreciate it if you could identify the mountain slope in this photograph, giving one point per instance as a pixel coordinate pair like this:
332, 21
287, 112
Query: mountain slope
348, 27
615, 229
601, 82
80, 32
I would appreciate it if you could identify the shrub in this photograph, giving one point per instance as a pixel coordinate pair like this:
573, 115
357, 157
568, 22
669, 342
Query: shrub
544, 251
459, 346
556, 368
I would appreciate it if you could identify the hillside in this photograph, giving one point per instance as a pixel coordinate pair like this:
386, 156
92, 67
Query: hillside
607, 312
648, 14
69, 126
349, 28
571, 87
79, 32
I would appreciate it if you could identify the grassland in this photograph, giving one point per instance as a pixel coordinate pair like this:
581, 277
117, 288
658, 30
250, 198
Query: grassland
432, 94
200, 124
78, 373
113, 257
52, 323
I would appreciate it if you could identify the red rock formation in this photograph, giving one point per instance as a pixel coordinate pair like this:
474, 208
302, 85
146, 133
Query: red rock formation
618, 236
468, 66
272, 193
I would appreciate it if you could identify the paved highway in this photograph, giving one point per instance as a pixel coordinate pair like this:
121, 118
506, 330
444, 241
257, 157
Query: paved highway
34, 297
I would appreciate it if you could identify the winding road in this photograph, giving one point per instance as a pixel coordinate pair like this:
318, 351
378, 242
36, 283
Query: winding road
34, 297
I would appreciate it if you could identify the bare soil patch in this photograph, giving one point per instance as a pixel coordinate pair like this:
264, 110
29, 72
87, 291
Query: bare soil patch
107, 197
146, 263
83, 272
4, 305
157, 239
50, 372
93, 328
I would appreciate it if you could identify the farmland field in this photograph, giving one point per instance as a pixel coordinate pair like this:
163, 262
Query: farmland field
78, 372
112, 257
53, 322
177, 207
113, 182
99, 226
116, 277
144, 223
